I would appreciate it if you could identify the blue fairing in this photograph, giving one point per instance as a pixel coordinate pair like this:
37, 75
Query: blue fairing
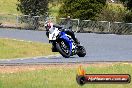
63, 36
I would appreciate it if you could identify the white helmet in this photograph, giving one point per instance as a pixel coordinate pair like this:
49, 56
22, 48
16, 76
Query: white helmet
48, 25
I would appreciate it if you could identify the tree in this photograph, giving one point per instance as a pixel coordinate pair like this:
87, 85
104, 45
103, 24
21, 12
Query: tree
112, 12
127, 3
82, 9
33, 7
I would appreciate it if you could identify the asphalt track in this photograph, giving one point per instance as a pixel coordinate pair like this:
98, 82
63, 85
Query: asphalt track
99, 47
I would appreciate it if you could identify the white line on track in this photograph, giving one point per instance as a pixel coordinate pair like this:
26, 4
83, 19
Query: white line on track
17, 39
57, 55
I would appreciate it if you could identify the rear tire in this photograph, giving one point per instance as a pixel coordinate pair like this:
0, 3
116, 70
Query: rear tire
61, 51
81, 52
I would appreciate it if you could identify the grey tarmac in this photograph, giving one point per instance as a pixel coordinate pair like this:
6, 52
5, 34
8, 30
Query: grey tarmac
99, 47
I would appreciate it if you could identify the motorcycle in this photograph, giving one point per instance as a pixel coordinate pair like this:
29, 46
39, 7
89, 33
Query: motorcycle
63, 42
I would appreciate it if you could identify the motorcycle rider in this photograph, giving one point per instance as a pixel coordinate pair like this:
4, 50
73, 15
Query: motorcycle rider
67, 30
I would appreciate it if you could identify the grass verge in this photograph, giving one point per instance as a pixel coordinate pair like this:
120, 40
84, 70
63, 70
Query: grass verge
19, 49
8, 6
62, 76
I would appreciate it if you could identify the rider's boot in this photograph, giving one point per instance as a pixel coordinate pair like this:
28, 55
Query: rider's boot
54, 48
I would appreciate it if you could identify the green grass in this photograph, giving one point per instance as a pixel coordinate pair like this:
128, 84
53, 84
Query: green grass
60, 77
17, 49
8, 6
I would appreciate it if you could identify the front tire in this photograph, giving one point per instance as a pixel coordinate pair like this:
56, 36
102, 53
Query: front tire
63, 52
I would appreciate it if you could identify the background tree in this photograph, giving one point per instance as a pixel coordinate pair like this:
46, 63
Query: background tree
83, 9
127, 3
112, 12
33, 7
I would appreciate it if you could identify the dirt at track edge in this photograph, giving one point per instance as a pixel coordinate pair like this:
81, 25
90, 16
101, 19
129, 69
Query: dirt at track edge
24, 68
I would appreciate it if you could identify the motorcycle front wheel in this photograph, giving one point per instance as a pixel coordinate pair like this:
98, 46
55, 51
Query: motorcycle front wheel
63, 48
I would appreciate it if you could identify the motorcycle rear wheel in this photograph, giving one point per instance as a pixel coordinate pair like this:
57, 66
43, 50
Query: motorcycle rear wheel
81, 52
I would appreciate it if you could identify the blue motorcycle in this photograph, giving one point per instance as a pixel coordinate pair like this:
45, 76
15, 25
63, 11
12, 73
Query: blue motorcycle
62, 42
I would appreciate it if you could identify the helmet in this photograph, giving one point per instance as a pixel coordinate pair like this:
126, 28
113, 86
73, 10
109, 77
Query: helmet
48, 25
